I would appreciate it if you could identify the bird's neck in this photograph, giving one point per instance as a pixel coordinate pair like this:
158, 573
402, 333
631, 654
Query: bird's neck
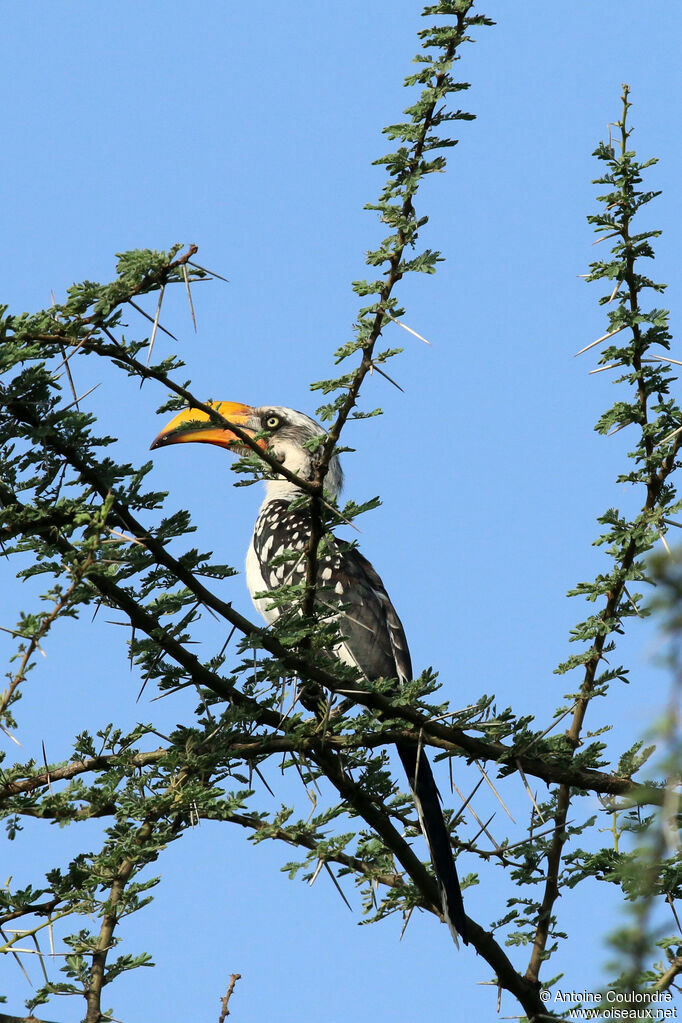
280, 490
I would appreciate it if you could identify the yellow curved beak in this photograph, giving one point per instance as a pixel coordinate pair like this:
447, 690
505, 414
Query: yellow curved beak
194, 425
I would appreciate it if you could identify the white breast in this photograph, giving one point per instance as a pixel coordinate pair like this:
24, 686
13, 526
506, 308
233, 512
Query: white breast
256, 584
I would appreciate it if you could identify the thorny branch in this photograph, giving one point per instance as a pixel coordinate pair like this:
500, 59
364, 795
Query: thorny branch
42, 630
332, 766
655, 483
393, 275
434, 732
673, 971
224, 1011
327, 752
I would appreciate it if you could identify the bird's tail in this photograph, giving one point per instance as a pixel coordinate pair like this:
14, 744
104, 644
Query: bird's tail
427, 800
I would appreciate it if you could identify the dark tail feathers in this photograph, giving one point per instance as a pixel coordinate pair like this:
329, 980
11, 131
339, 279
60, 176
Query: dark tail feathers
427, 801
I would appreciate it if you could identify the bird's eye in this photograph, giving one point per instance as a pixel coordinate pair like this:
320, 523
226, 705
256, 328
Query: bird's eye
272, 422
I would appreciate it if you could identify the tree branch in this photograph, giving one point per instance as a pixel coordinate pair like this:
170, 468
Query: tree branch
443, 736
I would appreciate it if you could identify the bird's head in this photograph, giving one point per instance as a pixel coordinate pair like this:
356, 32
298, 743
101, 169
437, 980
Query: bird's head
288, 435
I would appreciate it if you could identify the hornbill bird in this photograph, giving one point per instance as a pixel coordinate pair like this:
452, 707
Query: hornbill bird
373, 639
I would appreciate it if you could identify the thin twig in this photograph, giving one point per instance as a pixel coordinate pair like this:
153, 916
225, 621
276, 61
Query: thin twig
76, 348
189, 296
67, 407
671, 902
605, 237
318, 868
155, 327
483, 829
604, 337
14, 953
548, 729
224, 1011
458, 816
150, 318
614, 292
337, 885
406, 922
9, 735
621, 426
203, 269
260, 775
665, 358
65, 363
601, 369
539, 834
499, 797
405, 327
386, 376
47, 769
528, 790
627, 594
670, 436
478, 820
124, 536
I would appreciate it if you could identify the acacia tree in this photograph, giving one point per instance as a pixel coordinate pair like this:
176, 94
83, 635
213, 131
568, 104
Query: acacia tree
85, 523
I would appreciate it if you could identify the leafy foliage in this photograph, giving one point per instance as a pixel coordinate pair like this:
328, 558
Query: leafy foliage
87, 526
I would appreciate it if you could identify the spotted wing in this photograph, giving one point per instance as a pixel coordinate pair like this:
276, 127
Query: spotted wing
374, 641
346, 585
374, 635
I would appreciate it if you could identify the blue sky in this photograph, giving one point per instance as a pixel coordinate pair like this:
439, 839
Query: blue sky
251, 131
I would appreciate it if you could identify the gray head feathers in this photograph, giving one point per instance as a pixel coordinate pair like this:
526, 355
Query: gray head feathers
292, 439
